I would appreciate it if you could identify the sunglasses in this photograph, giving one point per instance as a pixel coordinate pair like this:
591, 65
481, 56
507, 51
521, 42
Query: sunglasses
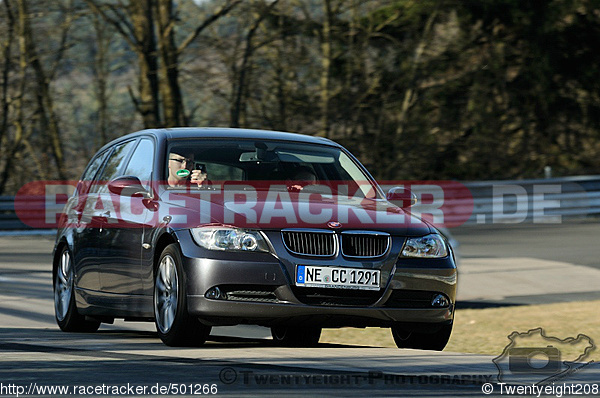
187, 160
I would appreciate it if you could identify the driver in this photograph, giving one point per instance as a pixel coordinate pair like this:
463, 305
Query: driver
179, 171
303, 176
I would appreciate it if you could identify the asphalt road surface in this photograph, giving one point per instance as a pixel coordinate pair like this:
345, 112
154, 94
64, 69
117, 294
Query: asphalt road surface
575, 241
500, 264
510, 264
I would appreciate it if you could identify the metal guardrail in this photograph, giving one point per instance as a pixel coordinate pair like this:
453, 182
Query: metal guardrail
8, 217
537, 201
484, 202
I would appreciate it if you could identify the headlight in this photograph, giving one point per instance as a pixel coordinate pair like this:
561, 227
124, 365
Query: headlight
222, 238
429, 246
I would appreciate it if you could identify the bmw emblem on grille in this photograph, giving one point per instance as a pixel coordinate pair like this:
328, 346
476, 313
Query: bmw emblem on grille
334, 224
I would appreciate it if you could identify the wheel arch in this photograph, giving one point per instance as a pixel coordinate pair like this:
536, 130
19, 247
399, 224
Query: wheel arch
58, 248
163, 241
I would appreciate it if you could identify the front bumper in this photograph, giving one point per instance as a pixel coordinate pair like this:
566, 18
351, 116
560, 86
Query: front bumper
259, 289
222, 312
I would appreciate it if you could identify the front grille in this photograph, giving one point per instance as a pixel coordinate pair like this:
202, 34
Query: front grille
336, 297
310, 243
365, 244
410, 299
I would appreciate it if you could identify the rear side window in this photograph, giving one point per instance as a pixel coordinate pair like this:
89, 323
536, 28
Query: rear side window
93, 167
141, 163
113, 165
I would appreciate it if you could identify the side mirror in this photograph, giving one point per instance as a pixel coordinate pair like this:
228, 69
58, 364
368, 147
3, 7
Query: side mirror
402, 197
128, 186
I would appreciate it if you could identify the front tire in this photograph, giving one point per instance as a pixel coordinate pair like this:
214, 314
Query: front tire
422, 341
65, 309
288, 336
175, 326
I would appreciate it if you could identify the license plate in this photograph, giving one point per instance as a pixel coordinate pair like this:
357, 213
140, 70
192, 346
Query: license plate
337, 277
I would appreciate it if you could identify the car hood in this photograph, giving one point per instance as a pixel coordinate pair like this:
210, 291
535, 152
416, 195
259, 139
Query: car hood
282, 210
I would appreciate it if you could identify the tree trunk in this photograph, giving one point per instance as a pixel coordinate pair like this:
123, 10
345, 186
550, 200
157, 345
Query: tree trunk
100, 78
48, 120
6, 66
326, 58
145, 47
169, 66
240, 92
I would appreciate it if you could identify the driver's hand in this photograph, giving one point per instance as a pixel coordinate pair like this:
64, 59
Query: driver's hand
295, 187
198, 177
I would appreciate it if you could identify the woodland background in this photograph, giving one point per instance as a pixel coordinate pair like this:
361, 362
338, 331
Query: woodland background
417, 89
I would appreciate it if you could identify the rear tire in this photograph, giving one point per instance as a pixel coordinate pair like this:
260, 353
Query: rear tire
65, 309
175, 326
422, 341
289, 336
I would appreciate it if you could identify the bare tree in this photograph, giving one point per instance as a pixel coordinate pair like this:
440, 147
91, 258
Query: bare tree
135, 23
47, 116
326, 61
148, 26
169, 65
6, 47
100, 72
240, 86
7, 148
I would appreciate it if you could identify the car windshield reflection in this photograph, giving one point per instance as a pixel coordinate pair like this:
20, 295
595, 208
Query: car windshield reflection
264, 165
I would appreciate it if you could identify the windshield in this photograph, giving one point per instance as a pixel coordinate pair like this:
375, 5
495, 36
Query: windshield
270, 162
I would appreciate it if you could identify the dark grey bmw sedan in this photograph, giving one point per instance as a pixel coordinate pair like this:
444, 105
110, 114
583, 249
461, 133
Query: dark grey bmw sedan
198, 227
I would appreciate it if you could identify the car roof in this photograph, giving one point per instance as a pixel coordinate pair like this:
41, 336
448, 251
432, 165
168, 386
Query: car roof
227, 133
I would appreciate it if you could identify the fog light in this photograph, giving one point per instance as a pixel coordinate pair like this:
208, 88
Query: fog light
215, 293
440, 300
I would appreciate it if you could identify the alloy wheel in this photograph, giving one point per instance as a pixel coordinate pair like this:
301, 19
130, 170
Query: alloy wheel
166, 289
63, 287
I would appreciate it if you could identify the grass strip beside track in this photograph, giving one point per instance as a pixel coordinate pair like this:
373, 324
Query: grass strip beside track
486, 331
